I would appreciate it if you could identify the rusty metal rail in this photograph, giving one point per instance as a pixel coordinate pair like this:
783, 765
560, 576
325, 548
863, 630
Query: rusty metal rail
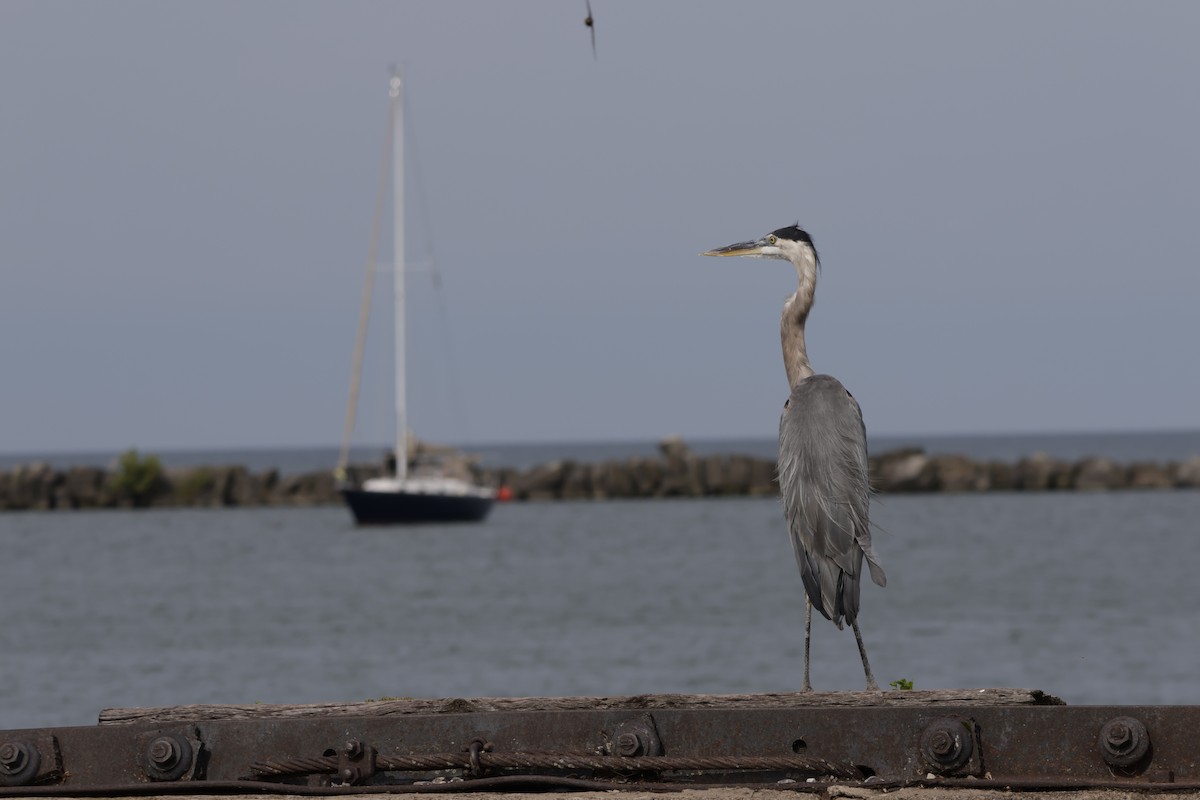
803, 748
478, 761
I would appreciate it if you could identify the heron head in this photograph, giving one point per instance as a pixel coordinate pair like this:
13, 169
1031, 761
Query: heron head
789, 244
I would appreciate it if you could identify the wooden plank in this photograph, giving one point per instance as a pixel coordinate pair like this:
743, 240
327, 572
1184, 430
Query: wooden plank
397, 706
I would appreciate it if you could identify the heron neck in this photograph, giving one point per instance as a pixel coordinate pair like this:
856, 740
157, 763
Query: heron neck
795, 314
791, 333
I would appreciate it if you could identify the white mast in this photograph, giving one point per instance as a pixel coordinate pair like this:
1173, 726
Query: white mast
398, 271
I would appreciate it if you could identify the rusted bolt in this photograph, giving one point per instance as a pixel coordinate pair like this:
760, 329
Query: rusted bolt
163, 752
629, 744
1123, 742
634, 737
19, 762
353, 749
13, 756
1118, 736
942, 744
356, 762
946, 745
168, 757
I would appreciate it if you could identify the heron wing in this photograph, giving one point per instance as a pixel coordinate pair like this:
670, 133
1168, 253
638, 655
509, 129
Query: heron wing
826, 494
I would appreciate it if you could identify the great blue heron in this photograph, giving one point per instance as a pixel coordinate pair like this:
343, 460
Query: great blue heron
822, 458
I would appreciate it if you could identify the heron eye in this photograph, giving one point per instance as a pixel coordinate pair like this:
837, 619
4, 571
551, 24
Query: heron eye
771, 239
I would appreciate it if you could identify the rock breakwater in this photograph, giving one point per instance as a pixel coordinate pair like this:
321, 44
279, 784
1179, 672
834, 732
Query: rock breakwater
680, 473
677, 472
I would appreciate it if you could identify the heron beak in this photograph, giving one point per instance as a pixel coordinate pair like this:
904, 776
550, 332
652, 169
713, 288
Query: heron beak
759, 248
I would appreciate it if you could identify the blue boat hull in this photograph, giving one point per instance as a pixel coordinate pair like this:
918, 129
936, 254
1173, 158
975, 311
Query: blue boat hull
408, 508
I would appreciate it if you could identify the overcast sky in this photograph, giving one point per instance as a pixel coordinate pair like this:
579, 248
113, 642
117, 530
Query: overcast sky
1005, 198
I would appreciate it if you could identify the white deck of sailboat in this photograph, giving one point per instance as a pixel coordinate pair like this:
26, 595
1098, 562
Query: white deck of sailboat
427, 485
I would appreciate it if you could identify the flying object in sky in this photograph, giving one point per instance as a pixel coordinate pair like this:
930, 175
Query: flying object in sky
590, 21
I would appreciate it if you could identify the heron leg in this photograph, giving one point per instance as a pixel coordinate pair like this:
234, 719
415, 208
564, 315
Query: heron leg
807, 640
862, 651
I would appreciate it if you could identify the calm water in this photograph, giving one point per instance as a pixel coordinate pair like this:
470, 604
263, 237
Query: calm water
1093, 597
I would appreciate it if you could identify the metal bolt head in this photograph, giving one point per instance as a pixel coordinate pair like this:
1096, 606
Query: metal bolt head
168, 757
1123, 742
1118, 735
629, 744
942, 744
163, 752
12, 757
19, 763
946, 745
353, 749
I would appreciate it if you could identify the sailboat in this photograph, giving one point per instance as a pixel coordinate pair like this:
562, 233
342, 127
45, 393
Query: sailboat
406, 496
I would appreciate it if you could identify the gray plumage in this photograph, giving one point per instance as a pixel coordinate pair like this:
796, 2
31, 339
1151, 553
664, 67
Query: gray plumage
822, 458
824, 485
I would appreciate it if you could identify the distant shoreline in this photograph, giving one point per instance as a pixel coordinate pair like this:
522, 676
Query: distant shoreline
1122, 446
676, 471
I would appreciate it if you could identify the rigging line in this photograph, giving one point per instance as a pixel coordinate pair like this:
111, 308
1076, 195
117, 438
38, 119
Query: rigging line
447, 337
364, 313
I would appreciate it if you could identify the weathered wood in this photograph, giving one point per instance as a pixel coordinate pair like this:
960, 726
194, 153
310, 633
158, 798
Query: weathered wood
397, 706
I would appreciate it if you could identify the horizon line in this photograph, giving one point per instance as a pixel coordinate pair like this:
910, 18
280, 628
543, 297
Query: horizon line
595, 441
